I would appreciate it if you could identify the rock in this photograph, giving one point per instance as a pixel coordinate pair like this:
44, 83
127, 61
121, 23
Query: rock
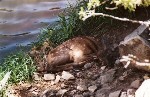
62, 92
82, 87
117, 61
115, 94
88, 65
95, 76
123, 94
144, 89
103, 68
135, 84
137, 47
107, 77
36, 76
130, 93
100, 95
67, 75
121, 78
92, 88
48, 77
73, 92
57, 79
87, 94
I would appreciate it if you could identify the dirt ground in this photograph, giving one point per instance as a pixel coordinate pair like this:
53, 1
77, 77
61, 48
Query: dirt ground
117, 77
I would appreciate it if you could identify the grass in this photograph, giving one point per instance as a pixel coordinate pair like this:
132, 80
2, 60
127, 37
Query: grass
21, 66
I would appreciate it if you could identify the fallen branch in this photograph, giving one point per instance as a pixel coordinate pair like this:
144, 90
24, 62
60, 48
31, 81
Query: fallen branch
130, 59
91, 13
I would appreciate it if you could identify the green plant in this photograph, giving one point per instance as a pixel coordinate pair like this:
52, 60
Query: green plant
20, 65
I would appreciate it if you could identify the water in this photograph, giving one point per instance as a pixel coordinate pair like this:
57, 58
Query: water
21, 21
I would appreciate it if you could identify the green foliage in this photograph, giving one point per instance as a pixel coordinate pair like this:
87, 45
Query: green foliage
127, 4
131, 4
21, 66
68, 25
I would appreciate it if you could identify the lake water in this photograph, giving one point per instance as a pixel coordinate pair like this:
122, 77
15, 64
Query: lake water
22, 20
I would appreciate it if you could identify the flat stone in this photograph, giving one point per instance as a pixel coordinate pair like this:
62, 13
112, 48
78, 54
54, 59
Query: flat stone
135, 84
115, 94
67, 75
92, 88
144, 89
48, 77
82, 87
107, 77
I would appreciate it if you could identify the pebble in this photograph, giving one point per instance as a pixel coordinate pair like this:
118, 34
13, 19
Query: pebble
67, 76
48, 77
82, 87
103, 68
88, 65
87, 94
130, 92
107, 77
36, 76
115, 94
123, 94
57, 79
100, 95
92, 88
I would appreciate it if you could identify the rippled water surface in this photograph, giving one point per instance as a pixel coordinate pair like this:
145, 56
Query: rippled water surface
21, 21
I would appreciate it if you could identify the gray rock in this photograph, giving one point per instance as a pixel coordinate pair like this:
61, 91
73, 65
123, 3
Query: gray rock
49, 77
92, 88
115, 94
88, 65
144, 89
87, 94
36, 76
130, 93
57, 79
103, 68
123, 94
73, 92
135, 84
82, 87
107, 77
100, 95
67, 75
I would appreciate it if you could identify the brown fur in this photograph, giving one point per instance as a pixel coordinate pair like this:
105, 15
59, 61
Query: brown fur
72, 53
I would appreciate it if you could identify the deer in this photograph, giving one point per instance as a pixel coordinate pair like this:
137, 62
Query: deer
71, 54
